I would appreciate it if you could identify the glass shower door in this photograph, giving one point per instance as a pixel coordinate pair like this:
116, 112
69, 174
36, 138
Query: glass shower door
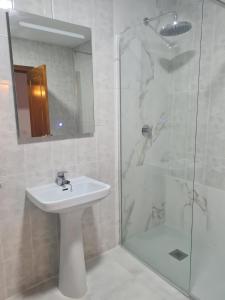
208, 259
159, 89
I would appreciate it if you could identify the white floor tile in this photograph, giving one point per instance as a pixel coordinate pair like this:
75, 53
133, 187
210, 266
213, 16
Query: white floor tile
115, 275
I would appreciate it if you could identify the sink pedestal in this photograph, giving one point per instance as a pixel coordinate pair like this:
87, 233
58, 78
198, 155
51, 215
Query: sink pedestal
72, 271
70, 205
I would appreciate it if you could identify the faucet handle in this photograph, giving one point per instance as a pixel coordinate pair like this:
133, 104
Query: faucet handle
61, 174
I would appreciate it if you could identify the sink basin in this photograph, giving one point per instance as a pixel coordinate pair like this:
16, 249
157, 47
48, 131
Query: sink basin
53, 198
70, 204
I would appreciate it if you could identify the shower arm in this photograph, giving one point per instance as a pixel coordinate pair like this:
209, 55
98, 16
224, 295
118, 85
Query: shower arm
174, 13
170, 45
148, 20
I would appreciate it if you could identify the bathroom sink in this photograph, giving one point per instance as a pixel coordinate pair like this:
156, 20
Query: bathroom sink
70, 201
55, 199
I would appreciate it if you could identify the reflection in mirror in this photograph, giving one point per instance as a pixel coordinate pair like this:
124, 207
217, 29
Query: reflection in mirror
53, 78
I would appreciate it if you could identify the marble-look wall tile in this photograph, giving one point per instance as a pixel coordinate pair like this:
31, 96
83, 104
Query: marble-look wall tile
109, 236
130, 12
2, 292
92, 231
159, 88
143, 101
45, 261
2, 282
210, 135
7, 123
3, 27
182, 68
16, 237
103, 43
103, 60
39, 177
37, 157
44, 226
42, 7
107, 208
5, 71
64, 157
74, 11
86, 150
208, 244
12, 159
18, 274
104, 110
105, 142
103, 25
88, 169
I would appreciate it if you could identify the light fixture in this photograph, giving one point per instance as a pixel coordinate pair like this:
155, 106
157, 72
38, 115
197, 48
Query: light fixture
38, 91
51, 30
6, 4
59, 124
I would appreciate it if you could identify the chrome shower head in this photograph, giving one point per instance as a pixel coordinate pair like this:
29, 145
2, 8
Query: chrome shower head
173, 29
147, 22
176, 28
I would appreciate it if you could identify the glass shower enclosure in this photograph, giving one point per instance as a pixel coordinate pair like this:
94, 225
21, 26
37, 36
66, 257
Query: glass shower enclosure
172, 71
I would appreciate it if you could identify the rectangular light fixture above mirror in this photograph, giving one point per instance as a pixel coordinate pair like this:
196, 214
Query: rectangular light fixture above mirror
51, 30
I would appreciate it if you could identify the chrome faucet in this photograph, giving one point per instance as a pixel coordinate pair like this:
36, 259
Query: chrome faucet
61, 180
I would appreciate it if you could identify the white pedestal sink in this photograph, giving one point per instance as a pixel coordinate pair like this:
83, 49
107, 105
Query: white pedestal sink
70, 205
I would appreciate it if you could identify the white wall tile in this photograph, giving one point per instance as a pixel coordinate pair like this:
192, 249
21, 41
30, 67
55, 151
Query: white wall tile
41, 7
74, 11
3, 27
5, 71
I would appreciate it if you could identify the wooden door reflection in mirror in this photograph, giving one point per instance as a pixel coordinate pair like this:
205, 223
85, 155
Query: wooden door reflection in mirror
32, 100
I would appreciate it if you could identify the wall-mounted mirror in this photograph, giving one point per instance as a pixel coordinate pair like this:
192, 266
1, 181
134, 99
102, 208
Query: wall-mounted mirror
53, 77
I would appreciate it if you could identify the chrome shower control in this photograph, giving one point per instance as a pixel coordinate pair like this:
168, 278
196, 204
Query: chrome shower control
147, 131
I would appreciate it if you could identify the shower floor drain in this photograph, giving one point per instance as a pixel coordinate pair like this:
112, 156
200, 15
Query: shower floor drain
178, 254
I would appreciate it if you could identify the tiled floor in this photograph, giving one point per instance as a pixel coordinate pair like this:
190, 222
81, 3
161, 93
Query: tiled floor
115, 275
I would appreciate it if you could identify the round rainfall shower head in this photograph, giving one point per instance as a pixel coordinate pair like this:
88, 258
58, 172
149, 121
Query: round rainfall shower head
176, 28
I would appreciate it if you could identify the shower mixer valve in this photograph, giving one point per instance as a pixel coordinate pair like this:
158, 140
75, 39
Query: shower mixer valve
147, 131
